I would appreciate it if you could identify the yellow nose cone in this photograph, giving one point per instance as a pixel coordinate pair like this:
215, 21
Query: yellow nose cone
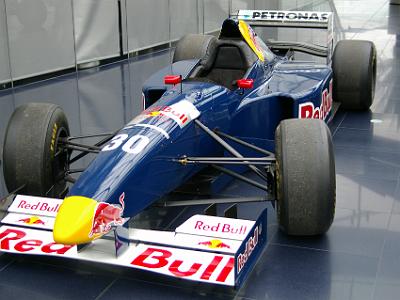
74, 221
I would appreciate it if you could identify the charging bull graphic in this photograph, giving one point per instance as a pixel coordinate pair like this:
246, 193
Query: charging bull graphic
106, 216
214, 244
32, 220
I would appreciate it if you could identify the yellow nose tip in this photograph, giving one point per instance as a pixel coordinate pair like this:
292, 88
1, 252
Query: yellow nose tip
74, 221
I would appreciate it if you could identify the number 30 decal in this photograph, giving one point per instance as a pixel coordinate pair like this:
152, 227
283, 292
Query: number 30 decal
134, 145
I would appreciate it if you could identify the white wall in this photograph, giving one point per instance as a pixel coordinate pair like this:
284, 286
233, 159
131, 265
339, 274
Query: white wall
5, 75
184, 18
40, 36
96, 29
214, 12
148, 23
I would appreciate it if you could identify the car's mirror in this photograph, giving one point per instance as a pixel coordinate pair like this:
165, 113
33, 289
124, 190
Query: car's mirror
245, 83
172, 79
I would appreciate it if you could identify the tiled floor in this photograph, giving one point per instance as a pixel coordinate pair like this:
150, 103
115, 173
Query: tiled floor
359, 258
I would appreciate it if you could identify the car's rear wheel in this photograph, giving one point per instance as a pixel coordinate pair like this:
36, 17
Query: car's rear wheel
305, 177
32, 155
194, 46
354, 74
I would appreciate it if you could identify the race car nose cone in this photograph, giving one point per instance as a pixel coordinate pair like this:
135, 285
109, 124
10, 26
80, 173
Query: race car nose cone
74, 221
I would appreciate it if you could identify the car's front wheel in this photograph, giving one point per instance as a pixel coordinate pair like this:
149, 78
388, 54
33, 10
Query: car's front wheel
32, 154
305, 177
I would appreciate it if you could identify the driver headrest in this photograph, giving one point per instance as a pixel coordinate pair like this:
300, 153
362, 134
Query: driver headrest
230, 30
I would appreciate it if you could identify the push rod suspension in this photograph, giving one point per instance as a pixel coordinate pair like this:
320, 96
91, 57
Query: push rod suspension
78, 137
241, 177
83, 146
227, 160
228, 147
172, 203
98, 144
243, 143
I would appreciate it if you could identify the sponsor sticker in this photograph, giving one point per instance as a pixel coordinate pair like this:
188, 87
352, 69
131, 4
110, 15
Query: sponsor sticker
32, 220
310, 111
181, 112
250, 37
288, 16
251, 243
217, 227
214, 244
190, 265
30, 241
106, 216
29, 220
39, 206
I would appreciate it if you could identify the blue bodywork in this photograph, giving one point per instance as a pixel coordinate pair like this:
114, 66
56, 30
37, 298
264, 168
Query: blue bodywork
142, 160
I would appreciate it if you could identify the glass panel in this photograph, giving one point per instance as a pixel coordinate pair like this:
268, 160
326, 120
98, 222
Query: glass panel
45, 28
103, 89
215, 11
148, 23
184, 18
6, 96
5, 73
97, 30
240, 4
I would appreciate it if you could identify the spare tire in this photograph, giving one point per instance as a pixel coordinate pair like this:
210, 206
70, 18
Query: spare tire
354, 74
305, 177
32, 155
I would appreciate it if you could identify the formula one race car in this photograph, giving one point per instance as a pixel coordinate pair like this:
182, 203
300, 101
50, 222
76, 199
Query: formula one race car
225, 105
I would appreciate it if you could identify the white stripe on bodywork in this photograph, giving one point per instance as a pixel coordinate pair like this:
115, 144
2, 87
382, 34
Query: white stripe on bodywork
160, 130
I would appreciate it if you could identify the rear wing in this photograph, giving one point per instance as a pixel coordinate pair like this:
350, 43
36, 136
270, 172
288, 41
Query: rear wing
293, 19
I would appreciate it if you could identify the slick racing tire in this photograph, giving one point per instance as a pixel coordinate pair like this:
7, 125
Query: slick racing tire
354, 74
194, 46
305, 177
32, 155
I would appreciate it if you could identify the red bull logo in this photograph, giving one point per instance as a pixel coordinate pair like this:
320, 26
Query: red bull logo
32, 220
170, 261
251, 244
18, 240
214, 244
308, 110
106, 216
39, 206
170, 112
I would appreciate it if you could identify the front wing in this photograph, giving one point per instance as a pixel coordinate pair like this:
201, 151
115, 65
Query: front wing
204, 248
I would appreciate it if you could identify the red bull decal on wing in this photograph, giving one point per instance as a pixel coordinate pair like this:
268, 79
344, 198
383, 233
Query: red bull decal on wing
106, 216
214, 244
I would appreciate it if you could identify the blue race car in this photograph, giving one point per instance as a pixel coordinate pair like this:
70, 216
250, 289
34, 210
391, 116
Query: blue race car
227, 105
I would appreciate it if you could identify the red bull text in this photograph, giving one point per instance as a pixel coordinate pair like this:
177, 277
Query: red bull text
220, 227
39, 206
308, 110
248, 249
159, 258
169, 112
14, 239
